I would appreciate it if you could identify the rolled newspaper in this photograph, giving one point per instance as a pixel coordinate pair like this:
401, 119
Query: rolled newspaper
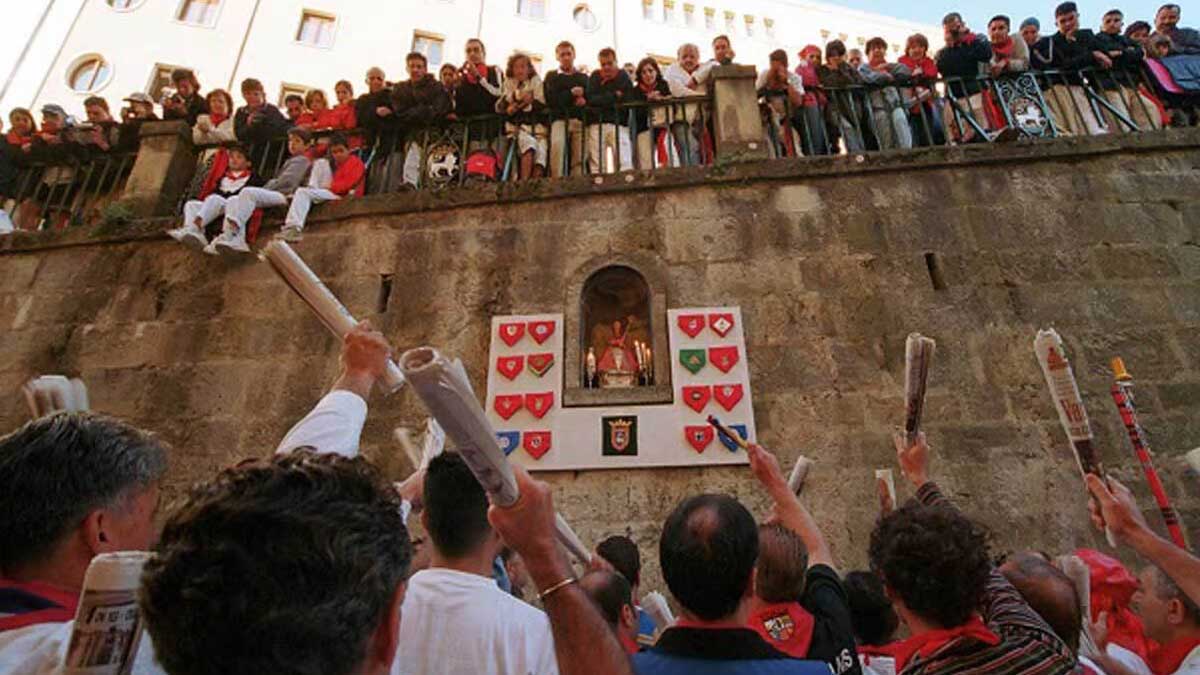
885, 484
404, 436
799, 474
108, 624
918, 354
656, 606
1064, 391
1193, 460
446, 391
51, 394
432, 444
324, 304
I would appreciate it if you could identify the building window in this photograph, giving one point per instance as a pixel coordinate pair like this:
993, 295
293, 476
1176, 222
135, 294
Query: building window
532, 9
316, 29
585, 18
825, 33
431, 46
861, 41
769, 25
89, 74
648, 9
689, 15
749, 26
730, 22
710, 18
668, 11
199, 12
161, 84
286, 90
663, 60
124, 4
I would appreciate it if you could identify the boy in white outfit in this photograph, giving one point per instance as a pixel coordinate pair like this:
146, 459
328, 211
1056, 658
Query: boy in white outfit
198, 213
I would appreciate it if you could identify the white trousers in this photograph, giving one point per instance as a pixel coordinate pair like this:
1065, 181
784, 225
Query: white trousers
605, 140
412, 164
317, 192
566, 137
210, 209
241, 206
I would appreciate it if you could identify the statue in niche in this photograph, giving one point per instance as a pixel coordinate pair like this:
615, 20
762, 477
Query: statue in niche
619, 364
616, 333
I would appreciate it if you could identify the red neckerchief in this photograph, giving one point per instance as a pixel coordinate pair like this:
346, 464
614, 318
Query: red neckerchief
1004, 49
925, 644
630, 646
215, 119
237, 175
786, 626
647, 88
925, 66
474, 75
1166, 659
890, 649
65, 600
14, 137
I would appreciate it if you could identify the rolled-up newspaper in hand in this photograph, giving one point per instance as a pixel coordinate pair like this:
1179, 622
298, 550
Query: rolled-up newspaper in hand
656, 606
799, 474
446, 391
918, 354
1193, 460
301, 279
108, 624
1064, 391
885, 484
51, 394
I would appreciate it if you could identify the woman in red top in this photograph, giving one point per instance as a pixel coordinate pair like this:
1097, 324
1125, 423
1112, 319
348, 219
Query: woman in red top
815, 140
343, 115
926, 116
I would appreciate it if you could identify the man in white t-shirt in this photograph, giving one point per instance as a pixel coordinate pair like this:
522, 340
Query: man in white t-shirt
456, 619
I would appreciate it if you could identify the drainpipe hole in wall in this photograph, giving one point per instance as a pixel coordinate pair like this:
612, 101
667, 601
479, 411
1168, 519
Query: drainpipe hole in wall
385, 293
937, 276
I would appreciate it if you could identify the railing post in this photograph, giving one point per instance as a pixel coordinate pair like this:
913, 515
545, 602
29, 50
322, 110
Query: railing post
737, 124
163, 168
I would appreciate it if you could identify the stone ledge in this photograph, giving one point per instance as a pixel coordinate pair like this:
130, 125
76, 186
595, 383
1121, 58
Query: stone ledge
730, 174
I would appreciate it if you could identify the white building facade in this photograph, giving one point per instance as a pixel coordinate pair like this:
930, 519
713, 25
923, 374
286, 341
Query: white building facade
116, 47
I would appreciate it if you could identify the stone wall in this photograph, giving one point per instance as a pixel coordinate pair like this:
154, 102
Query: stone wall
829, 259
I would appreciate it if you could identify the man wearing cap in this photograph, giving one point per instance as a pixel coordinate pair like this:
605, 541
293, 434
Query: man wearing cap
1070, 50
139, 110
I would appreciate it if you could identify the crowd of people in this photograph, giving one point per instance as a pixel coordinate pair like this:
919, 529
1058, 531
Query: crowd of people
571, 121
305, 562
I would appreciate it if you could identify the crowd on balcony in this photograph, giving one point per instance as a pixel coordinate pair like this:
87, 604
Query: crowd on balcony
303, 562
513, 123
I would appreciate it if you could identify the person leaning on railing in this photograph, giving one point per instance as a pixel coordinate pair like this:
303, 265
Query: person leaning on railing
652, 134
608, 131
836, 77
888, 106
1070, 50
925, 114
258, 121
687, 126
782, 91
565, 91
1183, 40
1121, 87
963, 60
418, 104
215, 126
815, 102
100, 132
186, 103
522, 100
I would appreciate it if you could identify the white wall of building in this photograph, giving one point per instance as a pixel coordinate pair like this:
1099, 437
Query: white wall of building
148, 33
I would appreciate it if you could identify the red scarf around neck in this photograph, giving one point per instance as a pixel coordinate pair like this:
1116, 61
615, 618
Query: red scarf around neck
216, 118
647, 88
474, 75
1004, 49
925, 644
1166, 659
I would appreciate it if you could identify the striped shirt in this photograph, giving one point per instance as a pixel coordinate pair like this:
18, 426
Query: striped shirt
1027, 643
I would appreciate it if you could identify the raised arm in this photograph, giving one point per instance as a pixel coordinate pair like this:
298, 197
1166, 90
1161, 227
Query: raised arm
788, 509
335, 424
583, 641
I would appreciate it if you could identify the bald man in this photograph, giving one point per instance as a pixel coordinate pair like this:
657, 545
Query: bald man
613, 596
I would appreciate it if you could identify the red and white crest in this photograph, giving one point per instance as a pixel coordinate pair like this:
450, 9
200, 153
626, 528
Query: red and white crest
696, 397
507, 405
699, 437
511, 333
539, 404
721, 323
724, 358
510, 366
728, 395
691, 324
541, 331
536, 443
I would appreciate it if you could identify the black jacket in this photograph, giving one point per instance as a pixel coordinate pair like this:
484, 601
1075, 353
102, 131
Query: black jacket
421, 103
196, 106
472, 98
1056, 52
603, 97
268, 124
373, 125
964, 60
557, 90
1130, 60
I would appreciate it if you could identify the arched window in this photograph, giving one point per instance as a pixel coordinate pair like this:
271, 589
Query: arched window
616, 329
585, 18
89, 74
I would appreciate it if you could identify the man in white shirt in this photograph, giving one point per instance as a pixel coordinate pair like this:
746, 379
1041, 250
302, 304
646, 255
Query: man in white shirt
456, 619
686, 78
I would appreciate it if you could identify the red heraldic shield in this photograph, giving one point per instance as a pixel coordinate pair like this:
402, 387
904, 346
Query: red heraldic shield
510, 366
721, 323
724, 358
727, 395
536, 443
697, 397
700, 437
691, 324
507, 406
512, 333
539, 404
540, 363
541, 330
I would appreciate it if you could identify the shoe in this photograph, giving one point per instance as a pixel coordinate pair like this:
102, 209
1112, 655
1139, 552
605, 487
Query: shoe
291, 234
211, 249
230, 247
190, 236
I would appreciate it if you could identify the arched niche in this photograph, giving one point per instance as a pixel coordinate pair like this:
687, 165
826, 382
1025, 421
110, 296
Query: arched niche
629, 291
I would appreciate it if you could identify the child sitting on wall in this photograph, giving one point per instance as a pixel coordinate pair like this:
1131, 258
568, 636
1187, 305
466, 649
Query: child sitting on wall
340, 175
231, 172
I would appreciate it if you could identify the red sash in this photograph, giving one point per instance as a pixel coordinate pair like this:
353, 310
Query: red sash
786, 626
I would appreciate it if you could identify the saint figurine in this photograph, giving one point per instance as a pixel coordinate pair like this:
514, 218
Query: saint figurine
618, 366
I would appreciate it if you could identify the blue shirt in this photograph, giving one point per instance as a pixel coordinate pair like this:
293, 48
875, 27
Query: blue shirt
719, 651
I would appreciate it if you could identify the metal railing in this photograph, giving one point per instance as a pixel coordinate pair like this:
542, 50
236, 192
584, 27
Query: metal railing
72, 189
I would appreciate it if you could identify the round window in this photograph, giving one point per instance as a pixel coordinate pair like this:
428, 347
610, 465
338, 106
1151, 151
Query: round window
89, 74
124, 5
585, 18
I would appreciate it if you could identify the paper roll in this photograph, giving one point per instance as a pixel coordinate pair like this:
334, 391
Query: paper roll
446, 391
885, 484
799, 474
1193, 460
108, 624
324, 304
656, 606
918, 354
50, 394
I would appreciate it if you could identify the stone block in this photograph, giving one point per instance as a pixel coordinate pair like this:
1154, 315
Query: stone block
1134, 262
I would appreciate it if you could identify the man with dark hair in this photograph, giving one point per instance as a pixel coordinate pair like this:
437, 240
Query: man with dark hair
186, 103
1183, 40
608, 132
783, 92
622, 555
886, 103
258, 121
456, 619
419, 104
1071, 49
1121, 88
72, 486
707, 552
1031, 31
934, 563
798, 608
237, 570
875, 622
723, 54
963, 60
565, 91
611, 593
